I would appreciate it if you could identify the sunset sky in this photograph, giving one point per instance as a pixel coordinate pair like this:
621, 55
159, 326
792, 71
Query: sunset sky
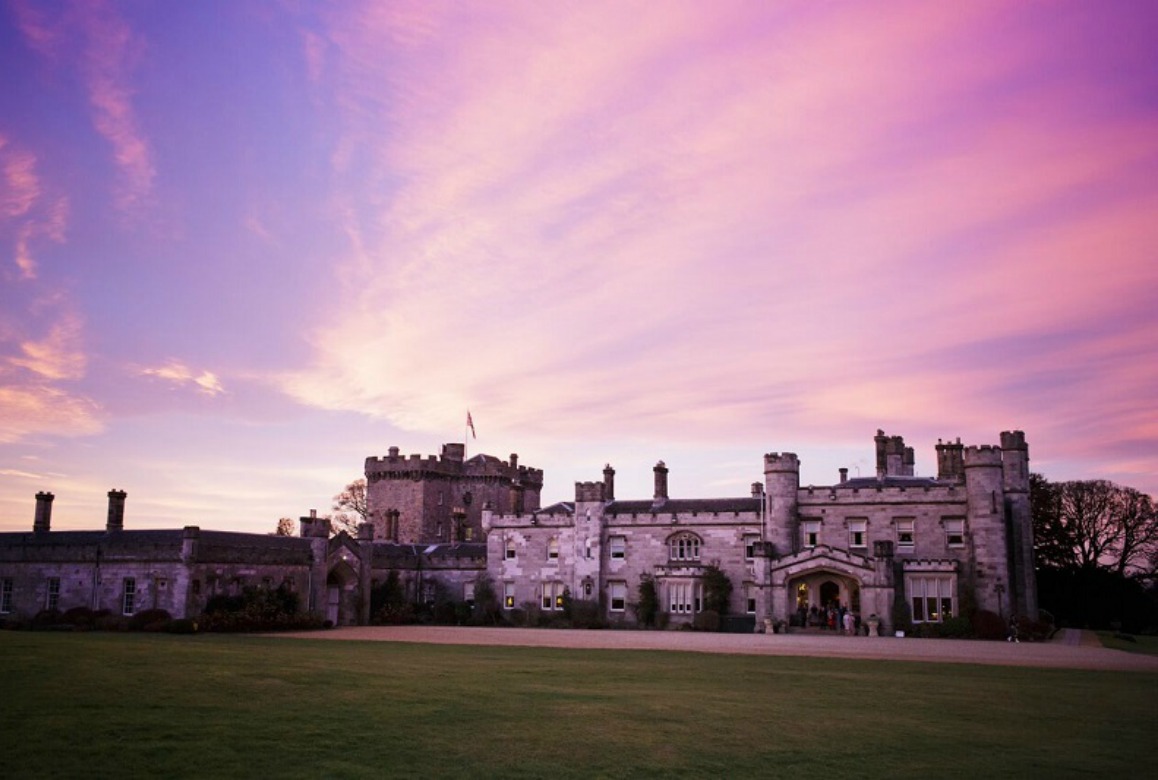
244, 245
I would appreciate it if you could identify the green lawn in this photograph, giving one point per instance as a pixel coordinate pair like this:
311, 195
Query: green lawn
99, 705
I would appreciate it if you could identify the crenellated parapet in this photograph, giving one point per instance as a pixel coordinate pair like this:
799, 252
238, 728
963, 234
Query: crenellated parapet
982, 456
589, 492
777, 462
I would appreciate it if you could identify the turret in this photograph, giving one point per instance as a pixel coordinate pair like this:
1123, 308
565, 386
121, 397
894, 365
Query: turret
608, 482
951, 460
782, 483
985, 518
1015, 472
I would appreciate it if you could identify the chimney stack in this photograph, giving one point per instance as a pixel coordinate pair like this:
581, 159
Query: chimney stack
843, 475
660, 481
116, 510
42, 522
608, 483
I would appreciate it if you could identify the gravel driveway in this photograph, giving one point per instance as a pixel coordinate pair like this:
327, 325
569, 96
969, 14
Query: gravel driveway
1071, 649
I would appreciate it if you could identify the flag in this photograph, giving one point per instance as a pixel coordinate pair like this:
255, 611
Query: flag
470, 424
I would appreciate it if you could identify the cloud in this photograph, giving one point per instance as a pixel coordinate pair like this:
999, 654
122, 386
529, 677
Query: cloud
58, 355
734, 224
179, 374
26, 210
93, 37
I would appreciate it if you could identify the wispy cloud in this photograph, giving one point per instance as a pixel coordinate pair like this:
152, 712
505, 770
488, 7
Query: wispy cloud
728, 222
93, 37
181, 375
27, 212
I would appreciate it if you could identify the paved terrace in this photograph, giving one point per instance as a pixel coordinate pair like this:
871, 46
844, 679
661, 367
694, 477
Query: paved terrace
1070, 649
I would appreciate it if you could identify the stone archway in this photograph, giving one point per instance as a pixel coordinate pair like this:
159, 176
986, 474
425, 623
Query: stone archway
342, 594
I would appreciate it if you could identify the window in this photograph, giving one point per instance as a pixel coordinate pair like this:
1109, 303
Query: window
618, 596
468, 593
750, 543
53, 593
196, 587
684, 547
810, 530
905, 533
128, 596
955, 532
685, 598
5, 596
750, 598
857, 533
932, 598
618, 545
552, 595
508, 595
510, 549
553, 550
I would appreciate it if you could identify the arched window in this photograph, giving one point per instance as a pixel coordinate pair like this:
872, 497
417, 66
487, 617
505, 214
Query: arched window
684, 547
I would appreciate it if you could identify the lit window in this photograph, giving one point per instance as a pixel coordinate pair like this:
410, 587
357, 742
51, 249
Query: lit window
905, 533
128, 596
857, 533
618, 596
810, 529
684, 547
5, 596
955, 532
511, 549
53, 593
553, 549
618, 545
932, 598
508, 595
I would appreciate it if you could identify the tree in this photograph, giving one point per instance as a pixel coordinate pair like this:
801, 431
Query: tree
350, 508
285, 527
647, 607
1093, 524
717, 590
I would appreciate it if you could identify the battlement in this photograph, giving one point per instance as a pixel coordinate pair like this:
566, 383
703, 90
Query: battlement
781, 462
983, 455
589, 491
1013, 440
450, 463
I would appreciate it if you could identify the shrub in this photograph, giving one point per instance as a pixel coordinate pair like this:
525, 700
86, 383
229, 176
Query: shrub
1032, 630
585, 614
902, 616
647, 607
48, 619
708, 620
958, 627
81, 617
989, 625
181, 626
717, 590
149, 620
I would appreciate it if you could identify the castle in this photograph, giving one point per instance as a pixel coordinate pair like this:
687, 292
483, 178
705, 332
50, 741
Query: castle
866, 543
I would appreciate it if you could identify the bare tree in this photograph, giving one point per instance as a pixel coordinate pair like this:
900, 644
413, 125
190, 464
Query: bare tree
350, 508
285, 527
1138, 542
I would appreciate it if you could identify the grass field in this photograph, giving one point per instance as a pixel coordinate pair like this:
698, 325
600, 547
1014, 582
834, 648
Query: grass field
102, 705
1147, 645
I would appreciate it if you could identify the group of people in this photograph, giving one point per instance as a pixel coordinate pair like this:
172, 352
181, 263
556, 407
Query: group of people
833, 617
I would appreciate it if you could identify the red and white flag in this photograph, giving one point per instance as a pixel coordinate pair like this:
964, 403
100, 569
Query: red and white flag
470, 424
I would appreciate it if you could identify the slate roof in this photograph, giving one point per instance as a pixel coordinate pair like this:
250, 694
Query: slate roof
684, 506
891, 481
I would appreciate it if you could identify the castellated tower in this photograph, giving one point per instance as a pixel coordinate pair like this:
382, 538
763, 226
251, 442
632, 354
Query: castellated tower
1015, 470
420, 500
985, 520
781, 485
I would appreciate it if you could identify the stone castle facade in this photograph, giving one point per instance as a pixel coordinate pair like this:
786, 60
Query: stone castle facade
863, 543
867, 543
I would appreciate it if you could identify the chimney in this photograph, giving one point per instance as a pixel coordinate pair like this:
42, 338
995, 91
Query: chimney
515, 460
608, 482
757, 490
42, 522
189, 538
843, 475
116, 510
365, 532
660, 481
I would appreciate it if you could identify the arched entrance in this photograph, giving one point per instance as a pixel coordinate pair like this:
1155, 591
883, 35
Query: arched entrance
812, 593
342, 595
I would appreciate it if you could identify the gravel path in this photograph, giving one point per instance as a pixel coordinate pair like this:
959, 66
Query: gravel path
1068, 650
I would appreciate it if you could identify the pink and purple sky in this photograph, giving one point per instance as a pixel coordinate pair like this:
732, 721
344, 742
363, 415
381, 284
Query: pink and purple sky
244, 245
